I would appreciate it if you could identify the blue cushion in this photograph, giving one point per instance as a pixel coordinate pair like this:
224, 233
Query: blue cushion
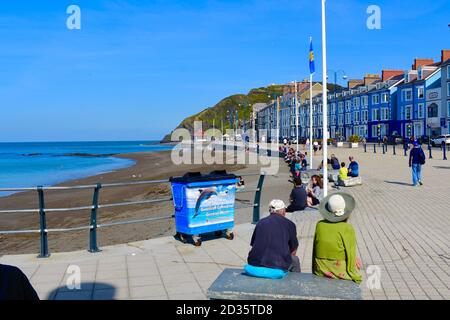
263, 272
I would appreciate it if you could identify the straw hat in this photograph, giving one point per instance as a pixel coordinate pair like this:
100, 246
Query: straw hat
337, 206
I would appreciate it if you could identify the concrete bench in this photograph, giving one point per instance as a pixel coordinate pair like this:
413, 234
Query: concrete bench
350, 182
234, 284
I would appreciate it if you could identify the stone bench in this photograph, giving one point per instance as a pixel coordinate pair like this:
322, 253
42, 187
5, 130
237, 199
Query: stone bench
350, 182
234, 284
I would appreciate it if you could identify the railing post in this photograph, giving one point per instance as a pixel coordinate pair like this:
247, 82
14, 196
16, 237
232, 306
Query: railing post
257, 202
393, 148
384, 150
93, 231
365, 147
42, 225
444, 150
374, 148
405, 149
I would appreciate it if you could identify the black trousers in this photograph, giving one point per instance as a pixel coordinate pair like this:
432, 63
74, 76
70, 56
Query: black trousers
295, 265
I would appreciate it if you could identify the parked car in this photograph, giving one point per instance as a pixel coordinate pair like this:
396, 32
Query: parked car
395, 139
445, 138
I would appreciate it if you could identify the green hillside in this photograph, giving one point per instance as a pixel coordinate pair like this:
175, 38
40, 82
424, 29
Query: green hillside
241, 102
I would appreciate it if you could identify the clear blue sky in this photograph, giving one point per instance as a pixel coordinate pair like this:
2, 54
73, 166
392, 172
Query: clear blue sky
138, 67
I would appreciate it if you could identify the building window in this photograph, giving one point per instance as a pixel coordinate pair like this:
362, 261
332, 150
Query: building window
376, 99
385, 114
341, 119
365, 115
375, 130
341, 107
347, 105
420, 110
375, 115
448, 89
365, 101
408, 113
407, 94
356, 102
448, 72
448, 109
420, 93
385, 98
348, 118
433, 110
356, 116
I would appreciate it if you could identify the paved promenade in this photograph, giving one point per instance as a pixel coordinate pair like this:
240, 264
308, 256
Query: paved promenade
403, 230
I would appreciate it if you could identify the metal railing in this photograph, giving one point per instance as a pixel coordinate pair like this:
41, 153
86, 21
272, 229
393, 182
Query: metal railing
94, 209
405, 147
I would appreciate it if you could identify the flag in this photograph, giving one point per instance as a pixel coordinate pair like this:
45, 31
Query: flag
312, 67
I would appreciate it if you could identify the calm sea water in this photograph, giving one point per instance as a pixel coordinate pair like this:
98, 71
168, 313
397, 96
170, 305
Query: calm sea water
49, 163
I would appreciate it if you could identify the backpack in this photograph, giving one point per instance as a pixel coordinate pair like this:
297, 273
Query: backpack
422, 157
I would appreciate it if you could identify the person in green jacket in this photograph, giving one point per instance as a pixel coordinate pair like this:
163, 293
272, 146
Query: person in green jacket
334, 247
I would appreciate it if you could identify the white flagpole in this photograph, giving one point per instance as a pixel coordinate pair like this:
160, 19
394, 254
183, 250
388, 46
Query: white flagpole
296, 113
310, 122
324, 99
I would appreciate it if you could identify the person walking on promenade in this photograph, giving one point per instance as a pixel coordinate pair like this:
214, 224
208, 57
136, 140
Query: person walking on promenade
334, 245
416, 161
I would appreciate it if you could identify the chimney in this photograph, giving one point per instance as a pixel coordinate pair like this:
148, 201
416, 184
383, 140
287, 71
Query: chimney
354, 83
421, 62
387, 74
370, 78
445, 55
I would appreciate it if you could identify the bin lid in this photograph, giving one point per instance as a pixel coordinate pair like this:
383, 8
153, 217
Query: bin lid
198, 177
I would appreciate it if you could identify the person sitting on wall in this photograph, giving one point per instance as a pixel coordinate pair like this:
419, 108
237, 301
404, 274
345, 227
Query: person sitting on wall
315, 193
343, 172
353, 167
274, 241
303, 163
298, 197
334, 245
335, 165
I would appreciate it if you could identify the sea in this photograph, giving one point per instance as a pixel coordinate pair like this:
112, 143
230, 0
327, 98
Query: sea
30, 164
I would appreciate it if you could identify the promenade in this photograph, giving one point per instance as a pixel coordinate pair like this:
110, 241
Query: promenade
401, 229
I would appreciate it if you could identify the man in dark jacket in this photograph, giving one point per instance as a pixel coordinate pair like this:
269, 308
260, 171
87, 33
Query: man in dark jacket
274, 241
14, 285
416, 160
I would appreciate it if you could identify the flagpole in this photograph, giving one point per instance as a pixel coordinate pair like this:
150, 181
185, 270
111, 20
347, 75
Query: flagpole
325, 101
310, 122
296, 113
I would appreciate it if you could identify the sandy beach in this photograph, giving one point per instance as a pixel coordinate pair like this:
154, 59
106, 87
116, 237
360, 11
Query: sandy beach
149, 166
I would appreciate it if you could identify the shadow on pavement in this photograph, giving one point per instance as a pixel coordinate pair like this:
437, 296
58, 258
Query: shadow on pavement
87, 291
399, 183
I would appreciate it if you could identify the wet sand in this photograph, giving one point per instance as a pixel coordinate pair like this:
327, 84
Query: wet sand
149, 166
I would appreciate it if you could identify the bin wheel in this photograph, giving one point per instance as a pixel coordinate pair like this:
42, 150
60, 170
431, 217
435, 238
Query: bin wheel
197, 243
180, 237
230, 236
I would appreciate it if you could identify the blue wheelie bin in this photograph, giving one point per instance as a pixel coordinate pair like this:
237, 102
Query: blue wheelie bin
204, 204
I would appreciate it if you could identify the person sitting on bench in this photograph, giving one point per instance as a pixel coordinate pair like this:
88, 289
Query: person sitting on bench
298, 197
14, 285
334, 246
274, 241
353, 167
315, 193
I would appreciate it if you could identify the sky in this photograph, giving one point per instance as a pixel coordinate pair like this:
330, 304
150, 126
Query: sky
137, 68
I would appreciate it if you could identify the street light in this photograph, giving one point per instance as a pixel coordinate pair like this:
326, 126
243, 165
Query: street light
344, 77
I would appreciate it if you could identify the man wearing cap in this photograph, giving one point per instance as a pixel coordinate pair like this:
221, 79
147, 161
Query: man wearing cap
334, 246
416, 160
274, 241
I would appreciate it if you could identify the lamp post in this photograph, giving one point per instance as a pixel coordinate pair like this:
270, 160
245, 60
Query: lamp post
344, 77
